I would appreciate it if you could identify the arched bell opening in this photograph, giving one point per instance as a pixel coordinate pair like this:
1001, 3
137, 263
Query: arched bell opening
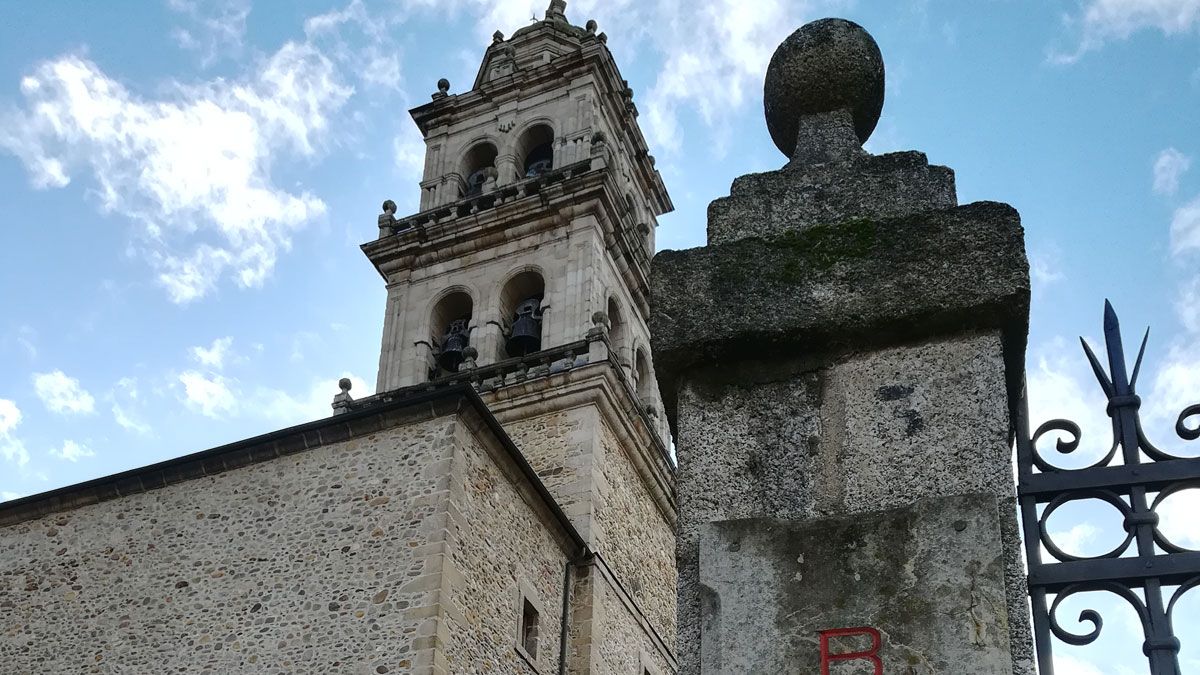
536, 150
617, 332
450, 331
479, 165
643, 382
521, 305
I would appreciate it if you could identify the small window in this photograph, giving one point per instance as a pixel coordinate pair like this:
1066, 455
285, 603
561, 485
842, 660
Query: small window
529, 628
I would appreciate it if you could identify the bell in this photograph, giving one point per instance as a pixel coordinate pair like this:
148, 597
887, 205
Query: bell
454, 342
526, 334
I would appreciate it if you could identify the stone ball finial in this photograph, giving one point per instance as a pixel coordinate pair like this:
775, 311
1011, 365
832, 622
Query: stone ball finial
344, 384
444, 85
825, 66
591, 26
389, 206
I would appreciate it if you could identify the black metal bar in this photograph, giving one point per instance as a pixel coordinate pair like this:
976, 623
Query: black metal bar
1153, 477
1171, 569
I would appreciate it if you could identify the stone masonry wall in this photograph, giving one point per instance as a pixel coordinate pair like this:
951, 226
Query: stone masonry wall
788, 432
634, 538
558, 446
295, 565
624, 648
500, 547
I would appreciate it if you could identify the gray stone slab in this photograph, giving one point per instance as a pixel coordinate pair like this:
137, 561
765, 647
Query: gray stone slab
928, 578
849, 286
797, 197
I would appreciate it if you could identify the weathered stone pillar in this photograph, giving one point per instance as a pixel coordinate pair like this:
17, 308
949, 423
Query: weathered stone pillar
839, 364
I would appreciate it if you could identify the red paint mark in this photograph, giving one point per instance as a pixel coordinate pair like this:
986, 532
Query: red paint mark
871, 654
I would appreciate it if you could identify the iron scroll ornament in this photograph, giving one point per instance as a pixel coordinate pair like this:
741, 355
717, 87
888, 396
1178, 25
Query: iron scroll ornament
1144, 567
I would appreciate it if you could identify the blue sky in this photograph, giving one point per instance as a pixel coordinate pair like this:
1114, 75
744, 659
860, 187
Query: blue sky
186, 183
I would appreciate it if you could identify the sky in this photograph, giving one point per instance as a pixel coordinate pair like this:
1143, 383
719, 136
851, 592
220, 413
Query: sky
186, 183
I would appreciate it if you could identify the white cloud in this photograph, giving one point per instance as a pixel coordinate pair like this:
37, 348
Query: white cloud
213, 356
1176, 385
316, 403
1061, 387
1187, 305
1102, 21
1065, 664
360, 39
408, 151
62, 394
10, 416
72, 451
11, 447
216, 28
125, 398
1075, 540
1169, 167
713, 56
1179, 522
1185, 228
1045, 269
193, 166
210, 395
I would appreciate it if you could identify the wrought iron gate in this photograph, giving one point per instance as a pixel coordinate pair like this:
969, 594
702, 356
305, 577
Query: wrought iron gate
1147, 569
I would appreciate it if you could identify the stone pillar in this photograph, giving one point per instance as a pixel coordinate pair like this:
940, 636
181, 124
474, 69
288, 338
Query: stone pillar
840, 364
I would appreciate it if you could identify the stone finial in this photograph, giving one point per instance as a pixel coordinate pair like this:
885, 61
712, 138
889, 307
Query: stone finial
443, 91
591, 26
600, 321
387, 219
470, 359
497, 37
603, 38
557, 11
825, 84
342, 401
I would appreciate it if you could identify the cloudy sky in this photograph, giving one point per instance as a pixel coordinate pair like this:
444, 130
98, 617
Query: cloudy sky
186, 183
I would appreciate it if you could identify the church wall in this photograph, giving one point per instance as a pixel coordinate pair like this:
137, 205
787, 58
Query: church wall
503, 551
314, 562
637, 542
624, 646
559, 446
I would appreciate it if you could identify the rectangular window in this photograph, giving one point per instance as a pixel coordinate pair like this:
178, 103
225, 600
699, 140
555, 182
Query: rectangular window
529, 628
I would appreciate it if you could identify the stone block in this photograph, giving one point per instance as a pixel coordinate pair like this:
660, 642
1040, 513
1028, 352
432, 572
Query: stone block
791, 199
848, 286
927, 581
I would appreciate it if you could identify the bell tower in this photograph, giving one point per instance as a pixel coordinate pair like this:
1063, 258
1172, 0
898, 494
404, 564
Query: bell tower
525, 273
537, 211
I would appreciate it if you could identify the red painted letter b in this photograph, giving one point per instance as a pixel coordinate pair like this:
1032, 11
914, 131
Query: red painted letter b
871, 654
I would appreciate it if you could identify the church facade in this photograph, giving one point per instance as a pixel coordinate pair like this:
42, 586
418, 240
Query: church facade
504, 504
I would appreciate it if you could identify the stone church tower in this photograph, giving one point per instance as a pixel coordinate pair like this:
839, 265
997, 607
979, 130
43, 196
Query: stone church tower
504, 505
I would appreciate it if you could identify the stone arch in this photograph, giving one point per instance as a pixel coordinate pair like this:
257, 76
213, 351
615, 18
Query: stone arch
534, 149
478, 165
518, 292
618, 330
449, 327
643, 376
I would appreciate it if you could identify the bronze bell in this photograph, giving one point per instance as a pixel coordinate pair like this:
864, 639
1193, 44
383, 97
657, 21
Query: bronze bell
455, 340
526, 334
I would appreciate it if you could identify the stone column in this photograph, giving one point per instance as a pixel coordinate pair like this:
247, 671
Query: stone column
840, 364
